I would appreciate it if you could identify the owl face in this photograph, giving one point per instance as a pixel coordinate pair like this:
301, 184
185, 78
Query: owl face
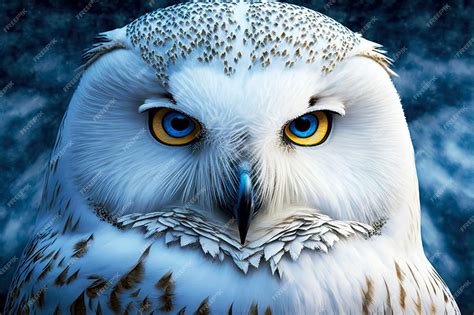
268, 140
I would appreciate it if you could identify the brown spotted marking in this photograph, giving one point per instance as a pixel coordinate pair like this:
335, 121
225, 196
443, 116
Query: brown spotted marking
61, 278
74, 227
128, 282
53, 235
268, 311
128, 308
78, 307
399, 272
25, 309
432, 306
67, 223
203, 308
388, 302
46, 270
418, 305
80, 248
114, 302
446, 299
14, 295
442, 285
47, 256
31, 248
52, 202
164, 37
368, 295
73, 277
98, 310
90, 304
432, 279
57, 310
39, 254
403, 293
40, 297
253, 309
57, 254
28, 276
98, 286
145, 305
61, 262
166, 284
135, 294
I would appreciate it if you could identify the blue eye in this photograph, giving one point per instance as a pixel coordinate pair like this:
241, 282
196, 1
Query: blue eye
171, 127
304, 126
178, 125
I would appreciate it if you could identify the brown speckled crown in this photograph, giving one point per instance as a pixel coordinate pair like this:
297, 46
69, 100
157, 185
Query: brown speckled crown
241, 35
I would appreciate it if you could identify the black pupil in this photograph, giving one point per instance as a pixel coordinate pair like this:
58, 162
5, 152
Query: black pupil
302, 124
180, 123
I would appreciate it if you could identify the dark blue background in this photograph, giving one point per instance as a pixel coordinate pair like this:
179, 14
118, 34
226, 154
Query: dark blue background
433, 47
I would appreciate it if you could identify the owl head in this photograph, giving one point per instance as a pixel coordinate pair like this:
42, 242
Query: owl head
240, 110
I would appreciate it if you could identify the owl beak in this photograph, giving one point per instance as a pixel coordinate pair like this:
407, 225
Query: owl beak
244, 207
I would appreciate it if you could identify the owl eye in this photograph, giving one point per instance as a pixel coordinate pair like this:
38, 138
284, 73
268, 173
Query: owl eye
172, 127
310, 129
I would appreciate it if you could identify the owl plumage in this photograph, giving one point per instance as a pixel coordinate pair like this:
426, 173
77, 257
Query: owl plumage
253, 213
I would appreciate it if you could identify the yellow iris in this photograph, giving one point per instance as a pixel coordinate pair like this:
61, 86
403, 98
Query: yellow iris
310, 129
172, 127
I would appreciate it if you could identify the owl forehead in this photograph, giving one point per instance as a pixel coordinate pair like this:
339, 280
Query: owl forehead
240, 36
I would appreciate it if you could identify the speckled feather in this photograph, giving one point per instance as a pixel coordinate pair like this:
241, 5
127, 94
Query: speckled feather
219, 32
82, 260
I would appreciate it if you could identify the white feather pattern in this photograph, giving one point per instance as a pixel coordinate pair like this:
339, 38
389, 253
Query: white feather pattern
312, 231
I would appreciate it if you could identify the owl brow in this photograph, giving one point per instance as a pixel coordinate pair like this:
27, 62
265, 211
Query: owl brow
169, 96
312, 100
152, 103
329, 105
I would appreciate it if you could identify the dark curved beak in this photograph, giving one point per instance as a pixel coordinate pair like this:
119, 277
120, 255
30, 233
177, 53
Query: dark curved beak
244, 207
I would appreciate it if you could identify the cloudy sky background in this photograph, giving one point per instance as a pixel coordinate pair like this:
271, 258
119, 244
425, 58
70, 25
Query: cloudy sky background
433, 48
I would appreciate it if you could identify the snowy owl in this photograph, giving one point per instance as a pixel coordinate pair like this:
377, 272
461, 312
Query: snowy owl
231, 158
